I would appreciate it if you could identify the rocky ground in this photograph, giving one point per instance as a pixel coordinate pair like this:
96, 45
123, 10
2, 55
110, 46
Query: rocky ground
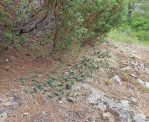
105, 83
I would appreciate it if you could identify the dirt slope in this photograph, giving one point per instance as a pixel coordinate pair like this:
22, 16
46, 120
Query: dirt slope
105, 83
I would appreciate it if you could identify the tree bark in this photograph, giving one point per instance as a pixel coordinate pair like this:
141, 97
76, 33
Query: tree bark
129, 13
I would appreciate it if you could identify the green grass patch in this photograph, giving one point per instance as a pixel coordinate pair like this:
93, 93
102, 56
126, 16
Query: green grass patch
127, 36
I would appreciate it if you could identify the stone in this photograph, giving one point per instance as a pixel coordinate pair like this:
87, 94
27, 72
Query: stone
147, 70
135, 55
143, 83
25, 115
125, 103
7, 60
133, 75
94, 97
147, 84
77, 93
102, 106
43, 114
137, 66
126, 68
3, 115
11, 101
135, 63
106, 115
139, 118
60, 102
133, 99
117, 79
102, 102
97, 99
7, 68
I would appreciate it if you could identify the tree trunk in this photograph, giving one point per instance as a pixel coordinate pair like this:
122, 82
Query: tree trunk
129, 13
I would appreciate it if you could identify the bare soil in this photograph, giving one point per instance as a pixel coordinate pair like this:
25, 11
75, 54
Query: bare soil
19, 71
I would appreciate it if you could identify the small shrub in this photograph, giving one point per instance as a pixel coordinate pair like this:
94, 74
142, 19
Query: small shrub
146, 89
52, 82
85, 20
108, 82
125, 76
13, 40
22, 79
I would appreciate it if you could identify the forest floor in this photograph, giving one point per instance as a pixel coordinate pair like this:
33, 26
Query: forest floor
105, 83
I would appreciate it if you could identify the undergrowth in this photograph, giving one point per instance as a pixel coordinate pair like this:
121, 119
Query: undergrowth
57, 84
126, 35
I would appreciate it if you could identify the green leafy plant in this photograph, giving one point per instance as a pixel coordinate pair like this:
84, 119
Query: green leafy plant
84, 20
135, 27
108, 82
11, 13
